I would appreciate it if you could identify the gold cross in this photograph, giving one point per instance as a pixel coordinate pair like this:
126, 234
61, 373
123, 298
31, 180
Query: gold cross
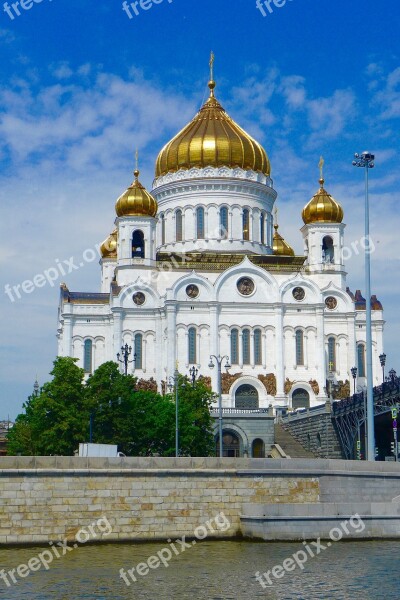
321, 167
137, 159
212, 60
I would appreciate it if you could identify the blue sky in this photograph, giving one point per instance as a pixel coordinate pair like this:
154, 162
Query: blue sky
82, 85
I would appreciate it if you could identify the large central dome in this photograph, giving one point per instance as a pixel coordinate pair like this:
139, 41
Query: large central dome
212, 139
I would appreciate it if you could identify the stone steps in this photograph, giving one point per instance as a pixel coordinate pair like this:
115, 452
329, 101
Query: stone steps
289, 444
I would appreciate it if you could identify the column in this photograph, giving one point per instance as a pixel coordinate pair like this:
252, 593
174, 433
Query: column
320, 356
279, 352
171, 339
159, 343
67, 335
214, 343
117, 334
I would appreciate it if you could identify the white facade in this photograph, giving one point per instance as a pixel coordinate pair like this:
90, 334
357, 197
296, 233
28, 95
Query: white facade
275, 332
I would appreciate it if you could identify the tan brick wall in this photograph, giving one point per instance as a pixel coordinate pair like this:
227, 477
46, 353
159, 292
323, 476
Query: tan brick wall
43, 505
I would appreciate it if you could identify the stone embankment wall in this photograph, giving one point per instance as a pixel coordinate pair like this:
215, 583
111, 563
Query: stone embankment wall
316, 433
43, 499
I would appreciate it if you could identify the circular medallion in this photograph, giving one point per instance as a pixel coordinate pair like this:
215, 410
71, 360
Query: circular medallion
139, 298
192, 291
331, 302
299, 293
245, 286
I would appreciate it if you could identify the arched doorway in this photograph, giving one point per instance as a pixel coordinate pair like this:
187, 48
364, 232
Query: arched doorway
230, 445
246, 397
300, 399
258, 449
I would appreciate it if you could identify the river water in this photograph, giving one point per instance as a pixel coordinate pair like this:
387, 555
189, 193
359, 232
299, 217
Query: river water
210, 570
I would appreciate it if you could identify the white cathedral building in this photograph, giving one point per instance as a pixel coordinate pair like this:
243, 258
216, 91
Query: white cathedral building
196, 268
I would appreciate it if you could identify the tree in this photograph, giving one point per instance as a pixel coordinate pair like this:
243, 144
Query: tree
121, 410
54, 420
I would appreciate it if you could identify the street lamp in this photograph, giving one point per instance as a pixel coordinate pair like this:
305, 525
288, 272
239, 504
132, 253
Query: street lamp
173, 381
36, 388
193, 372
126, 352
392, 375
363, 389
219, 360
366, 161
354, 375
382, 360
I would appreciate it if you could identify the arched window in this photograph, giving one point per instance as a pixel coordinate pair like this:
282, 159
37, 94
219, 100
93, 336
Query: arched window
178, 226
87, 356
192, 354
246, 396
235, 347
223, 221
200, 229
262, 228
257, 347
328, 251
331, 354
361, 360
246, 224
139, 351
162, 218
300, 399
299, 348
246, 346
137, 244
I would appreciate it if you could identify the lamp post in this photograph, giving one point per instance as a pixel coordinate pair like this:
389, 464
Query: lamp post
354, 375
193, 372
173, 382
363, 389
366, 161
392, 375
219, 360
382, 360
126, 352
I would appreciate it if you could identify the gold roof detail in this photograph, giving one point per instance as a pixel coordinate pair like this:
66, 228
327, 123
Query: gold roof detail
322, 208
108, 248
136, 201
279, 246
212, 139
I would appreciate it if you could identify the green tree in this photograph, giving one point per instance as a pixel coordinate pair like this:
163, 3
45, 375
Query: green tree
54, 421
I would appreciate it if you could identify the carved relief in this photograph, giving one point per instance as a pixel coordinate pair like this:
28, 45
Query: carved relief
206, 380
314, 386
147, 385
192, 291
331, 303
288, 385
139, 298
228, 380
299, 293
269, 382
245, 286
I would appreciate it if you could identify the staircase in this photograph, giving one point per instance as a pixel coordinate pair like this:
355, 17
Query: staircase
289, 444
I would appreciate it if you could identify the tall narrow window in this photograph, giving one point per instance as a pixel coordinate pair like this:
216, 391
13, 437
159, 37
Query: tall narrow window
87, 356
299, 348
178, 226
162, 217
257, 347
328, 250
246, 224
361, 360
262, 228
137, 244
192, 346
235, 347
246, 346
139, 351
223, 216
200, 223
331, 354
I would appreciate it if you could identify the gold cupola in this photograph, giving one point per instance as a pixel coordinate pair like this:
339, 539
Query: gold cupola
279, 246
212, 139
322, 208
136, 201
108, 248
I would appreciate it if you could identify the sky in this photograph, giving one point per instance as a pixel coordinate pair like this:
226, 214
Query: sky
83, 84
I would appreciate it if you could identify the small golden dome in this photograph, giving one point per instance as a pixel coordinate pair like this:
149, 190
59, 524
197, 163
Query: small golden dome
108, 248
322, 208
279, 246
136, 201
212, 139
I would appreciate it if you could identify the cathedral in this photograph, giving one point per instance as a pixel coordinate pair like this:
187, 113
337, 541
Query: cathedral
198, 268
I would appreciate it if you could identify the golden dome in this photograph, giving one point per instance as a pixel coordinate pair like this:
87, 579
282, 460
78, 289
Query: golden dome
212, 139
108, 248
322, 208
279, 246
136, 201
